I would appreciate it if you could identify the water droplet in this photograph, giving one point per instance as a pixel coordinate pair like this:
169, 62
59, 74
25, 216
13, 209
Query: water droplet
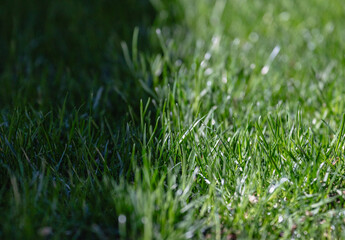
207, 56
272, 188
236, 41
208, 72
122, 219
254, 37
280, 219
284, 16
265, 70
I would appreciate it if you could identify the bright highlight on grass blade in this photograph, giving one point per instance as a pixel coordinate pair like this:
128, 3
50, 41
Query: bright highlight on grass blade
274, 54
190, 129
271, 58
265, 70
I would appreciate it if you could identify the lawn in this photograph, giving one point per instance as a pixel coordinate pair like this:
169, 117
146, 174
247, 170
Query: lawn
172, 119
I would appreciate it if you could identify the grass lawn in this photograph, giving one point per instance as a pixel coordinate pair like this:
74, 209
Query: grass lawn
172, 119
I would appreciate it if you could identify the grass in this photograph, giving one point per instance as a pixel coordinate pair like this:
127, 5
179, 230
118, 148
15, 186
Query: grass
212, 119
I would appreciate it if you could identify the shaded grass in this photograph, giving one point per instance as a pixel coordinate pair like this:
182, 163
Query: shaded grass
53, 49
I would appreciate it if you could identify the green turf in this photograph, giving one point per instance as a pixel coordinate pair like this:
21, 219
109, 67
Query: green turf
183, 119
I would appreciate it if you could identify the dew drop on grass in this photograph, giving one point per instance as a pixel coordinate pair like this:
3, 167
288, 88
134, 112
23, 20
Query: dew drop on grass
203, 64
284, 16
45, 231
283, 180
224, 78
179, 192
208, 72
122, 219
253, 37
311, 46
236, 42
329, 27
272, 188
247, 46
215, 41
207, 56
253, 199
143, 220
178, 63
265, 70
189, 234
280, 219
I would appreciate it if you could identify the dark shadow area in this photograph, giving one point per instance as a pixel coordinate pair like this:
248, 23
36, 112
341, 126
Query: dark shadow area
53, 49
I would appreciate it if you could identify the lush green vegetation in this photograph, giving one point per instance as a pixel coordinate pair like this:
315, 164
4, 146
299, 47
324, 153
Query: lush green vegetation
198, 119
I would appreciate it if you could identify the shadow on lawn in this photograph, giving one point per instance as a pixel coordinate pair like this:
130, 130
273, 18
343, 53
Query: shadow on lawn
51, 49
